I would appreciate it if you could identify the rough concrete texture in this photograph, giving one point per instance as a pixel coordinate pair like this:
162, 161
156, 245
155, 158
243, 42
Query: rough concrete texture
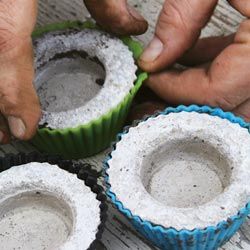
119, 78
64, 78
43, 207
190, 170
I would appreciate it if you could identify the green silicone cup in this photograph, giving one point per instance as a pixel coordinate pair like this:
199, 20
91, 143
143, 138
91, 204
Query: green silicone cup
92, 138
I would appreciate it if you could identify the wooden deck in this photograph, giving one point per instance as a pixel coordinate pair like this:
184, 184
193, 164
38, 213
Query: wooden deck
118, 234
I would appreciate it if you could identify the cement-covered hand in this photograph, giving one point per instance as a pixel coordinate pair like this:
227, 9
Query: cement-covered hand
219, 73
19, 105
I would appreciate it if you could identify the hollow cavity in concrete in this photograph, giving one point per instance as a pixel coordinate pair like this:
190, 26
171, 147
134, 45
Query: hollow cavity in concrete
88, 94
189, 171
69, 83
34, 220
185, 173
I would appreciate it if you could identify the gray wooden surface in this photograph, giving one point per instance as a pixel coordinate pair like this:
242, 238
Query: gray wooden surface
118, 233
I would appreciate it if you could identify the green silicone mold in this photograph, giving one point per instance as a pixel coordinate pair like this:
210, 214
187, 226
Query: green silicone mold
92, 138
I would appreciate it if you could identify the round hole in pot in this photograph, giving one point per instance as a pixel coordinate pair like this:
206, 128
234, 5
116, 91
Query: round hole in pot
202, 156
81, 76
69, 81
34, 221
185, 173
44, 207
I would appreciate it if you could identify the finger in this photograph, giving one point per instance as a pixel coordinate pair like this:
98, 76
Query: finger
243, 110
4, 131
201, 86
179, 87
243, 6
178, 28
224, 84
22, 115
206, 50
117, 17
22, 110
19, 102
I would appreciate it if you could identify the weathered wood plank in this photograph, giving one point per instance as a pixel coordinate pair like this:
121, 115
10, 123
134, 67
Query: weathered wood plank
118, 234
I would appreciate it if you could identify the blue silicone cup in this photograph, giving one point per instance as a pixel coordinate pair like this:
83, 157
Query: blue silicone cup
209, 238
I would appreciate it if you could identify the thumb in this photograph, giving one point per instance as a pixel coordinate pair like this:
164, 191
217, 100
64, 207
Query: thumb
117, 16
178, 28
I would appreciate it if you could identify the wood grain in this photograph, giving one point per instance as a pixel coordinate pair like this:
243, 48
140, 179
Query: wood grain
119, 235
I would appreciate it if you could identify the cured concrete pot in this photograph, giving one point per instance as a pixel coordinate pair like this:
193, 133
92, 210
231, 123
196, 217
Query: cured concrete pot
61, 51
185, 185
44, 207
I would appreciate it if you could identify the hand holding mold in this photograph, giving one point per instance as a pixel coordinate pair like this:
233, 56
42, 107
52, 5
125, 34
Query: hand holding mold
220, 65
19, 105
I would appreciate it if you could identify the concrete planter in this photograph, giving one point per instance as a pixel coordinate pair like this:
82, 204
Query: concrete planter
185, 185
80, 119
46, 207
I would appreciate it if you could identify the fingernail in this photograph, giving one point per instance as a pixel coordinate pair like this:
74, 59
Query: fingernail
135, 14
16, 126
153, 51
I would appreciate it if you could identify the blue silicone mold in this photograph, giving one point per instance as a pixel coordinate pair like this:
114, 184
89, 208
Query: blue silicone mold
209, 238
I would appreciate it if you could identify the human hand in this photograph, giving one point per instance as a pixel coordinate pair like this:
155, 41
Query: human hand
220, 73
117, 16
19, 105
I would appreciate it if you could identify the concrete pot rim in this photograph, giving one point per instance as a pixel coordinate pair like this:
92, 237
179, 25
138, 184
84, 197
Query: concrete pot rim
75, 195
150, 224
77, 142
120, 76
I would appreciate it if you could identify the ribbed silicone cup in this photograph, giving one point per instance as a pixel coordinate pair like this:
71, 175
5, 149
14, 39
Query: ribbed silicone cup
209, 238
83, 172
92, 138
